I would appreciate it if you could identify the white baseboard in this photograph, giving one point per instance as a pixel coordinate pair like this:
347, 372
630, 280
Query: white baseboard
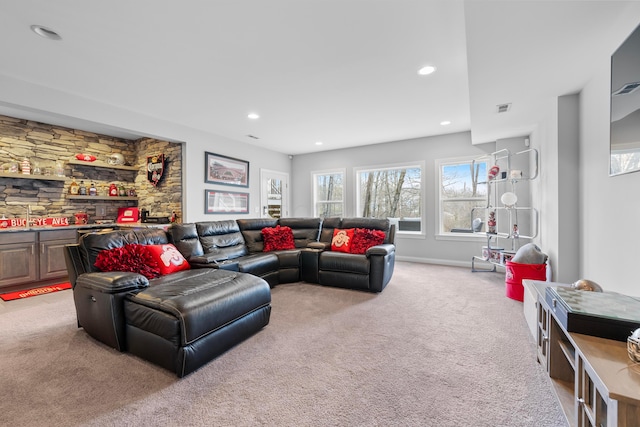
434, 261
448, 262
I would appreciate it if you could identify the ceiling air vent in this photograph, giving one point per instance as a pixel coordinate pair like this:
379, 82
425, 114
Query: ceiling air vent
253, 137
503, 108
627, 89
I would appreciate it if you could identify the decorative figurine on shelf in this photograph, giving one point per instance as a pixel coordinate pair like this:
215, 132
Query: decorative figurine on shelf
493, 172
82, 190
122, 191
174, 217
586, 285
113, 190
73, 187
59, 168
25, 166
491, 223
515, 234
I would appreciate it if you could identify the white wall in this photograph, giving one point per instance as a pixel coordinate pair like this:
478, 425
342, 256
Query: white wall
428, 149
610, 206
606, 209
558, 188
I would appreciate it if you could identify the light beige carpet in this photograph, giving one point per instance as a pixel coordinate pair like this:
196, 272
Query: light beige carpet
441, 346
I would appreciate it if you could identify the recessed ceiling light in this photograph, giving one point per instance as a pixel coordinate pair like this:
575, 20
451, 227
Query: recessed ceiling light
253, 116
445, 122
425, 71
318, 142
45, 32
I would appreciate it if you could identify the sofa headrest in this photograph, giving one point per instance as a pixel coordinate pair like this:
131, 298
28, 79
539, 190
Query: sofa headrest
216, 228
186, 240
305, 230
92, 243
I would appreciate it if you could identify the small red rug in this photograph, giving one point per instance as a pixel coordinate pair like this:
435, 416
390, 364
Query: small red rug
9, 296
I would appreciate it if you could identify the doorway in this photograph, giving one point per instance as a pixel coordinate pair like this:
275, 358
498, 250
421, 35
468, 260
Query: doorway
274, 194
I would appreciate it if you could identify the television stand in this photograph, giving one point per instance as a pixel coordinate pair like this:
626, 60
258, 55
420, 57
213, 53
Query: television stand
595, 381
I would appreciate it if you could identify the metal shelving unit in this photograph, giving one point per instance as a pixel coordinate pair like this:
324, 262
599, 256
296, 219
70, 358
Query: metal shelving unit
493, 254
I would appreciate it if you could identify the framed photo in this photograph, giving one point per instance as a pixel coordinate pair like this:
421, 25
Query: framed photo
225, 202
225, 170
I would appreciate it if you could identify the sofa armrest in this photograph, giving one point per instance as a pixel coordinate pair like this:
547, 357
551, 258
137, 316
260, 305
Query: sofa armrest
319, 245
384, 249
73, 261
112, 282
206, 260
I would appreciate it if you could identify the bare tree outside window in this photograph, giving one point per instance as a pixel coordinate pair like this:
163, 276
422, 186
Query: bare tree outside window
462, 187
392, 193
329, 194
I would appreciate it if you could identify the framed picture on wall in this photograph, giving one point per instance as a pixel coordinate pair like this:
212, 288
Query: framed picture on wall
225, 170
225, 202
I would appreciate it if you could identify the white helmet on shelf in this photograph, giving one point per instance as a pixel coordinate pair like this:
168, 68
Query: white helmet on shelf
116, 159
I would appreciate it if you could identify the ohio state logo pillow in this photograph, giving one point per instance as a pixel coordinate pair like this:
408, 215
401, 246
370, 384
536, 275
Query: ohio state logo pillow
168, 257
341, 241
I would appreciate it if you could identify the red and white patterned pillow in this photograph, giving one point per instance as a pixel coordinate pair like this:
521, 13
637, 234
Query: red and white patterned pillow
341, 241
168, 258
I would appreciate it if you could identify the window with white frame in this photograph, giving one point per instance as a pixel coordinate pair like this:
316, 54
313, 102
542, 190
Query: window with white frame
394, 192
462, 187
328, 193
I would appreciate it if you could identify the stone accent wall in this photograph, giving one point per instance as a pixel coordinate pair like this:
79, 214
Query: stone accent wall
166, 197
44, 145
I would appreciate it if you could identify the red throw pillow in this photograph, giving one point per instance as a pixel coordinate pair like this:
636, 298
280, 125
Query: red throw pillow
278, 238
364, 238
168, 258
133, 258
342, 240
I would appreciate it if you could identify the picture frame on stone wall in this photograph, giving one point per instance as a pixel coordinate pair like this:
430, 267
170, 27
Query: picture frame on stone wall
225, 202
225, 170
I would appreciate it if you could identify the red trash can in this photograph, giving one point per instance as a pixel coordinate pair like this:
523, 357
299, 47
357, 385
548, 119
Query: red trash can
515, 272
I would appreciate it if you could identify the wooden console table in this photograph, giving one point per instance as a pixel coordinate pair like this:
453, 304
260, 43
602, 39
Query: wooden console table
595, 381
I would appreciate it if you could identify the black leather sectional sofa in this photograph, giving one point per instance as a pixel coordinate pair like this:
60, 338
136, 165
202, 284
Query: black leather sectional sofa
237, 245
182, 320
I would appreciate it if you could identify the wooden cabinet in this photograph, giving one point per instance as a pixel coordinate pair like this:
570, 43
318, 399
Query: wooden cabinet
51, 253
33, 256
17, 258
595, 381
542, 338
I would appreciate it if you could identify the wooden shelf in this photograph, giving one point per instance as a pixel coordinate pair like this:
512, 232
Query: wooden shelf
37, 177
112, 198
569, 352
594, 379
100, 164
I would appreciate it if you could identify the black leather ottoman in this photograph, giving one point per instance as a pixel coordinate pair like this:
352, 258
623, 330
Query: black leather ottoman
186, 319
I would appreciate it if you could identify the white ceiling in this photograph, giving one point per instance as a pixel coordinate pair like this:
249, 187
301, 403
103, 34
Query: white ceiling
343, 72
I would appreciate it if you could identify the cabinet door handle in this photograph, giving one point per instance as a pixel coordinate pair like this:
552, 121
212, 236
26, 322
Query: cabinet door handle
580, 400
42, 248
